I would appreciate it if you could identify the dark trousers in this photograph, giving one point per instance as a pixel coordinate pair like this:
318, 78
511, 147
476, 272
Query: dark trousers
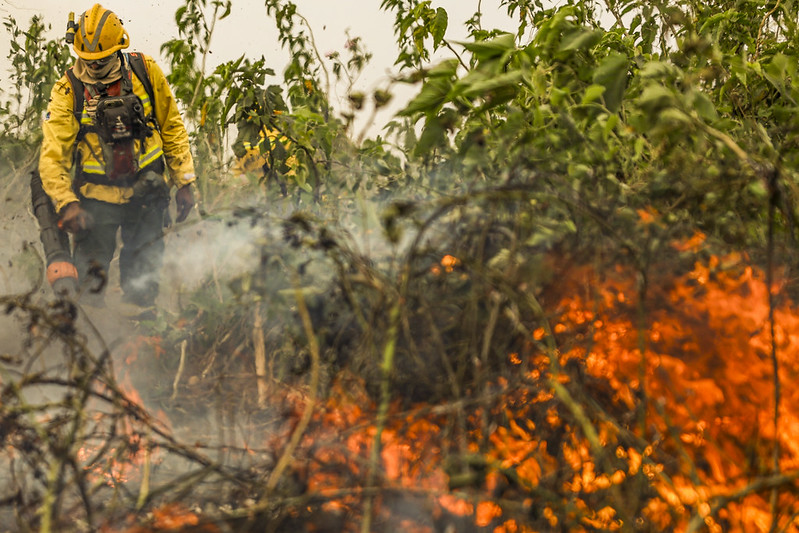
140, 257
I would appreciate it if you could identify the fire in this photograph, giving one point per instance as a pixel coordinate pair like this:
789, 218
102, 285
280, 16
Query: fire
169, 517
705, 373
683, 419
116, 465
448, 264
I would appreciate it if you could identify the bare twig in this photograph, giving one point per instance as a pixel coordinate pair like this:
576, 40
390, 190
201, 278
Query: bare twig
181, 366
206, 50
775, 465
386, 368
759, 42
259, 347
760, 484
313, 347
144, 489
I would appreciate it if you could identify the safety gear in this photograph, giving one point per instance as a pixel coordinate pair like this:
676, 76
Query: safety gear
106, 74
74, 218
86, 86
116, 113
121, 118
184, 200
72, 27
99, 34
63, 140
97, 64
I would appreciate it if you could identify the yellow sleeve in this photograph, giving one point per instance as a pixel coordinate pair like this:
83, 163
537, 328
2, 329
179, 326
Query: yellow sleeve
59, 129
177, 152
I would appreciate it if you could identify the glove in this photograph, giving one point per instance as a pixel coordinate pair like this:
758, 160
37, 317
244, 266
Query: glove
184, 199
74, 218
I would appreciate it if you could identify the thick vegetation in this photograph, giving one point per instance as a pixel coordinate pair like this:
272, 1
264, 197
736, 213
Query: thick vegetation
556, 292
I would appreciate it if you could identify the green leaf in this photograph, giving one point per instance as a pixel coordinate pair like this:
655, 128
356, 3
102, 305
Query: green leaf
658, 69
432, 136
593, 93
612, 74
673, 116
655, 97
446, 68
439, 28
492, 48
758, 189
557, 96
611, 123
703, 106
430, 98
580, 39
490, 83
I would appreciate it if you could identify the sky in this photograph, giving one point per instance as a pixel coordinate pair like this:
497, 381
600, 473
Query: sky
249, 31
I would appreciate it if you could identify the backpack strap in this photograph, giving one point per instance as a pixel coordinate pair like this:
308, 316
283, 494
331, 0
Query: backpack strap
77, 100
139, 68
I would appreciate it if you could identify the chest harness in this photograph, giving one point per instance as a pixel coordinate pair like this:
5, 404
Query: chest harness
118, 121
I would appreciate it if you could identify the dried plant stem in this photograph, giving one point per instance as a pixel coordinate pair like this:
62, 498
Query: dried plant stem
49, 499
561, 392
181, 367
783, 480
773, 176
642, 349
217, 285
763, 22
313, 347
316, 52
144, 489
382, 411
206, 49
259, 347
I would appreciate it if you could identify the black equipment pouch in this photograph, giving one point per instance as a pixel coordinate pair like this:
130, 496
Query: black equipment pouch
121, 118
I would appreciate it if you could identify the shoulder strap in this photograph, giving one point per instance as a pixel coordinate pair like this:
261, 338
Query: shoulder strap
139, 68
77, 94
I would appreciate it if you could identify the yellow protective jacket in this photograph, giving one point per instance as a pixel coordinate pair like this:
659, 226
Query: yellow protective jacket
60, 151
254, 160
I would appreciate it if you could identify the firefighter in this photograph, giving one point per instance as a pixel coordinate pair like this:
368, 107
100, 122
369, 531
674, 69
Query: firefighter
256, 159
262, 150
114, 146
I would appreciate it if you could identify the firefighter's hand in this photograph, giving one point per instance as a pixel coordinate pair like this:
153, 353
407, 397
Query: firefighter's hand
184, 200
74, 218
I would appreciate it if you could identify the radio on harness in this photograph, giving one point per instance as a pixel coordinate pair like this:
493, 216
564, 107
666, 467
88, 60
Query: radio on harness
121, 118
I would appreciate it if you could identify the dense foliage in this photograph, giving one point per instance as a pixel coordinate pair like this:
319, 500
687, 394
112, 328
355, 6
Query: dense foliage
556, 292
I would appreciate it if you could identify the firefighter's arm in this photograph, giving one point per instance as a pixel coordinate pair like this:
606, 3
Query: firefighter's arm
173, 131
55, 161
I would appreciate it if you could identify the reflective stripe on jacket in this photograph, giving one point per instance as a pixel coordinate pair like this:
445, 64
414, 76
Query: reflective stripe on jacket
60, 131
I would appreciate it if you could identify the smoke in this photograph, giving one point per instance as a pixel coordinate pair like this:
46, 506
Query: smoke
208, 250
244, 259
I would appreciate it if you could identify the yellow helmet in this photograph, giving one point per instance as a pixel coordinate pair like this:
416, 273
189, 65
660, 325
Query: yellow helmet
100, 34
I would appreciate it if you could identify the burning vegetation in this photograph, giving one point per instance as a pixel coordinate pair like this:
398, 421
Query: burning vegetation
562, 297
450, 402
